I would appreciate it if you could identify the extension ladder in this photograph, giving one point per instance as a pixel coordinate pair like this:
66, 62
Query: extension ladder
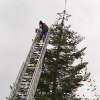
27, 80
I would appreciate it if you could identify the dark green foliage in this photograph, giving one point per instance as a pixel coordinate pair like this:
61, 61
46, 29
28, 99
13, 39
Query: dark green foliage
61, 74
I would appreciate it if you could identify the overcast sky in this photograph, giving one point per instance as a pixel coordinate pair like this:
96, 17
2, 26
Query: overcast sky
19, 18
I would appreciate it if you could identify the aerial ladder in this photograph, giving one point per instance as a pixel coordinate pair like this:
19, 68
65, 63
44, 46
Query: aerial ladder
27, 80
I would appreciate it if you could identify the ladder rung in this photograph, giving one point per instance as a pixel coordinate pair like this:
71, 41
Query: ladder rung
30, 71
39, 46
36, 52
31, 68
22, 91
32, 65
23, 88
26, 80
27, 77
21, 98
20, 94
23, 83
23, 80
40, 43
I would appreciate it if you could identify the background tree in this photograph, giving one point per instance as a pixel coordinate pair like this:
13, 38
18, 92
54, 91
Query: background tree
61, 66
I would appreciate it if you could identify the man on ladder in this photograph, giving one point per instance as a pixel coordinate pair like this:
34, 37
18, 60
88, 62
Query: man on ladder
44, 30
41, 32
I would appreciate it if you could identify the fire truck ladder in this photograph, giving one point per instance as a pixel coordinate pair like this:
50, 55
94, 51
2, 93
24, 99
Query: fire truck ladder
27, 80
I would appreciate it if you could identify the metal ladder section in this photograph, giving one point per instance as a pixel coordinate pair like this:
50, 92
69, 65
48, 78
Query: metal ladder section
27, 80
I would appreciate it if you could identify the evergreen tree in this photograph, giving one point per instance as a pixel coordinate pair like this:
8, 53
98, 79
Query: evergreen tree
61, 74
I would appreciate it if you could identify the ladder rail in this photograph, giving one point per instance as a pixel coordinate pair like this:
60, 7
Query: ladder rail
21, 72
37, 72
15, 85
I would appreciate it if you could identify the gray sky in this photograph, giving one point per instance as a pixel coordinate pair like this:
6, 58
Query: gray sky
19, 18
